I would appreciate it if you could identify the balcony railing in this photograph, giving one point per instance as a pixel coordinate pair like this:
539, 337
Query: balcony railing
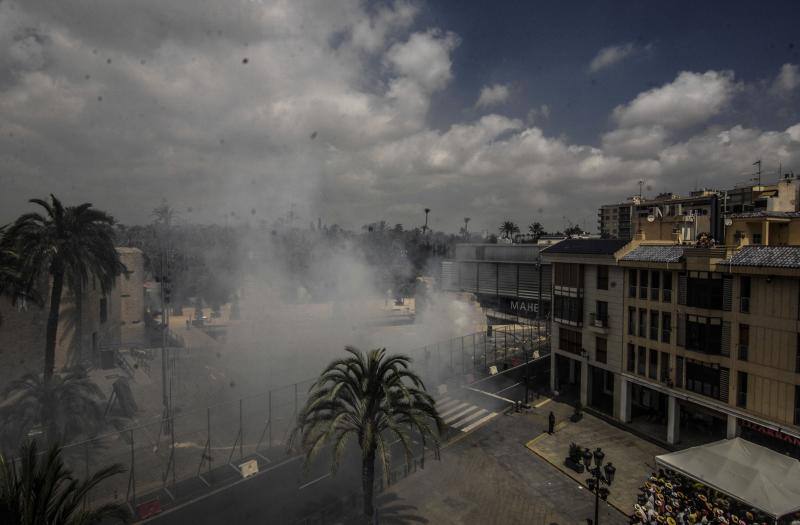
598, 320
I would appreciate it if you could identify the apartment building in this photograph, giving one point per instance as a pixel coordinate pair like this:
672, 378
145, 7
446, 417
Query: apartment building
587, 319
614, 220
88, 323
711, 344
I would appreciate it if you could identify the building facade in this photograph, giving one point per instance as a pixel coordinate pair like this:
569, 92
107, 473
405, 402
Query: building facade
510, 281
587, 317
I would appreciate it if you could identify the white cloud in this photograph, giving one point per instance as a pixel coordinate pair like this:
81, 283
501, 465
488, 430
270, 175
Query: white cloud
493, 95
788, 79
611, 55
538, 114
425, 59
692, 98
329, 112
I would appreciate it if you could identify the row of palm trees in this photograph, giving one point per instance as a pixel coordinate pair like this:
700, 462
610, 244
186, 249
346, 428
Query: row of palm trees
41, 254
508, 229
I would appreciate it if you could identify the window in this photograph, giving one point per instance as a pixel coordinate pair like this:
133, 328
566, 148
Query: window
601, 313
679, 371
641, 366
741, 389
744, 301
702, 378
666, 295
704, 334
756, 238
631, 320
797, 356
654, 278
631, 358
568, 309
569, 341
642, 322
666, 327
797, 404
704, 290
601, 350
642, 284
744, 341
602, 277
653, 325
103, 310
664, 375
569, 275
653, 369
632, 273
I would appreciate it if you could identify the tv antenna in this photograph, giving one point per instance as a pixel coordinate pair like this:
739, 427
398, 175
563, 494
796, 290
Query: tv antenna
757, 178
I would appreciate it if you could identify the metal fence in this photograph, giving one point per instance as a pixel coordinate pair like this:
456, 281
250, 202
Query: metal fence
180, 457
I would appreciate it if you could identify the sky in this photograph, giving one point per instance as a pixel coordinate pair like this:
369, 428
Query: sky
354, 112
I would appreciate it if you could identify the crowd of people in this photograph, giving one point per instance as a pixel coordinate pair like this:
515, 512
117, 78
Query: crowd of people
672, 499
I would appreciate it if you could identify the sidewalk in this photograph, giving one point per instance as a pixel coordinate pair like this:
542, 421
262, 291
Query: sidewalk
489, 477
633, 457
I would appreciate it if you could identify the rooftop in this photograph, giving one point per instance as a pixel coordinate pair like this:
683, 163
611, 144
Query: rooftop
655, 253
764, 213
586, 246
767, 257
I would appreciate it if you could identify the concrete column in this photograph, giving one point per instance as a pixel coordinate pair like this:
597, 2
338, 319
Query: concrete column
624, 400
571, 371
584, 383
553, 385
673, 420
731, 429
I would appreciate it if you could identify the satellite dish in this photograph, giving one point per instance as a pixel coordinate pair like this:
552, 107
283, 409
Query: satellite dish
728, 222
651, 218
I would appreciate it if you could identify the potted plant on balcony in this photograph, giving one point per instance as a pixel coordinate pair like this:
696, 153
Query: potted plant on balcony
573, 460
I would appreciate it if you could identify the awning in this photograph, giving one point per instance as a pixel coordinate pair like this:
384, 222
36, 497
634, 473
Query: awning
750, 473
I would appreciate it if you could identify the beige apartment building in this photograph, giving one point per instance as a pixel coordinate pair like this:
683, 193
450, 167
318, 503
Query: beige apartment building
87, 325
688, 344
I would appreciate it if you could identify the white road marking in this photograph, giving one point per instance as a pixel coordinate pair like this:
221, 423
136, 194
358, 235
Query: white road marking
542, 403
456, 416
479, 422
453, 409
301, 487
470, 417
447, 404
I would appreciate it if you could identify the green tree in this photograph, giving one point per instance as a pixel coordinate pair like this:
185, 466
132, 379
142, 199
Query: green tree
536, 229
12, 284
70, 244
370, 397
39, 489
508, 229
64, 408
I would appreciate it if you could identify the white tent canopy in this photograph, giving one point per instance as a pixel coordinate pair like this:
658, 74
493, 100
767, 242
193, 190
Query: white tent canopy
750, 473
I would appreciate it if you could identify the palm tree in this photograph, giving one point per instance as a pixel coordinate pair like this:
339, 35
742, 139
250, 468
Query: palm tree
369, 397
64, 408
466, 227
42, 490
536, 229
508, 229
70, 244
425, 228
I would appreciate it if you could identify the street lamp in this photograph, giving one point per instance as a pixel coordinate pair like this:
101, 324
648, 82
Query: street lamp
601, 475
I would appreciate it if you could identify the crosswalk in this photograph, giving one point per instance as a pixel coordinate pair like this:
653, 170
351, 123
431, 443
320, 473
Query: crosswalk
462, 415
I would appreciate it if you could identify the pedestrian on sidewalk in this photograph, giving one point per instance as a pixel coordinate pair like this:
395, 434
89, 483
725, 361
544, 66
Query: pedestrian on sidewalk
551, 420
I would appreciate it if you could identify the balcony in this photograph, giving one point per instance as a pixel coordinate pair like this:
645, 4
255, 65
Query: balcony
598, 323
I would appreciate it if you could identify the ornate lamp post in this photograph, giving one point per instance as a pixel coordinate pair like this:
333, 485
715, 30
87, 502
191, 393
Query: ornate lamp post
601, 475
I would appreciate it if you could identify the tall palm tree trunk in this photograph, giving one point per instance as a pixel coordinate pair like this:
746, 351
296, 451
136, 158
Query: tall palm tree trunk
368, 482
52, 324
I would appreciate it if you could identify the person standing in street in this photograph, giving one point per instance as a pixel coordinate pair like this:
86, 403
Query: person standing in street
551, 420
